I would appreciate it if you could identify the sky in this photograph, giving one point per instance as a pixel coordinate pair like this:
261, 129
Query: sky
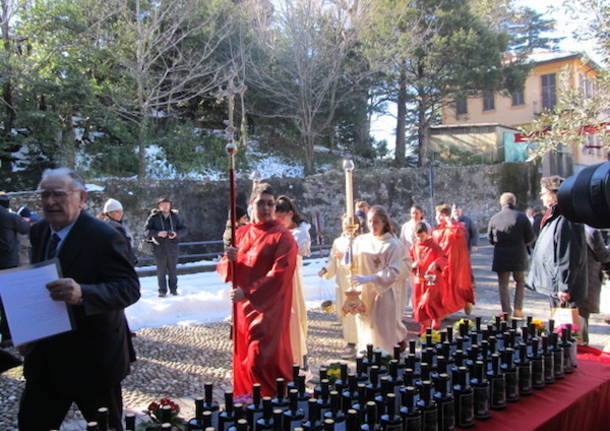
383, 127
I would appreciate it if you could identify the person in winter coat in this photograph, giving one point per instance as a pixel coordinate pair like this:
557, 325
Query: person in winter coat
11, 225
113, 215
510, 232
559, 261
164, 228
597, 255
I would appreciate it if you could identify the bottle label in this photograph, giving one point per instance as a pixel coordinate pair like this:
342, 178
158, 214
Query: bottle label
481, 401
549, 368
448, 419
413, 423
430, 420
558, 363
498, 392
466, 410
525, 379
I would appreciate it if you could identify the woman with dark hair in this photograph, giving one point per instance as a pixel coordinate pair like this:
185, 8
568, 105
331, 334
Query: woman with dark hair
264, 262
379, 261
288, 215
338, 266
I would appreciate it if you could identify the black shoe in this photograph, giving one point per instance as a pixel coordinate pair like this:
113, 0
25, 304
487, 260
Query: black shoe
175, 293
162, 294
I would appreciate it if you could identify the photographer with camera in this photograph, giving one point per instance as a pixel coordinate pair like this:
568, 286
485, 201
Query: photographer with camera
164, 228
559, 261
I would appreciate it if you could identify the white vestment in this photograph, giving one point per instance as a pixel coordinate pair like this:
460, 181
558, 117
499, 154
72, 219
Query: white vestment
338, 268
381, 257
298, 313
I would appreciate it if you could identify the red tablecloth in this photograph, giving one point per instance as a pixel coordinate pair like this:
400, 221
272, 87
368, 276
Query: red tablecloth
579, 402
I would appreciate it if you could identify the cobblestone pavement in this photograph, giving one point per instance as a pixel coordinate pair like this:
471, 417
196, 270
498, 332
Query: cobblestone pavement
176, 361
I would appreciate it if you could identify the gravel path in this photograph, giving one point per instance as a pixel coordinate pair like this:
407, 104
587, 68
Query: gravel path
176, 361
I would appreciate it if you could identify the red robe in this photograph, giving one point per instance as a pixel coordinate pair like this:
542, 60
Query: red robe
459, 289
266, 259
427, 300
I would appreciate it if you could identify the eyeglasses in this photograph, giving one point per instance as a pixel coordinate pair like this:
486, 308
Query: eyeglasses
58, 194
263, 203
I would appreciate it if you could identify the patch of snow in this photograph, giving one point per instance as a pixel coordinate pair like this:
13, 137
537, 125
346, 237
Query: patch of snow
94, 188
321, 149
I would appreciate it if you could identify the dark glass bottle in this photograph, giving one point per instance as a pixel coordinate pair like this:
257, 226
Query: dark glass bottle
278, 421
369, 359
361, 370
538, 372
130, 422
480, 388
227, 417
464, 400
360, 404
549, 360
408, 377
386, 388
324, 400
103, 417
196, 423
254, 410
371, 423
390, 421
525, 371
558, 367
336, 413
211, 404
401, 365
265, 422
374, 373
445, 403
428, 407
329, 425
511, 375
313, 417
323, 376
303, 395
352, 423
295, 374
497, 384
294, 415
280, 401
395, 377
342, 381
352, 386
92, 426
566, 346
410, 413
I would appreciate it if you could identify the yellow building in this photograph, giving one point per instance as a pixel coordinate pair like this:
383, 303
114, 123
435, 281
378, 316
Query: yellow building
519, 108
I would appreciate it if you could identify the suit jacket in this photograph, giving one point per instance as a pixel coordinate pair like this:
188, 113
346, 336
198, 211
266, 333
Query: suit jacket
97, 352
510, 231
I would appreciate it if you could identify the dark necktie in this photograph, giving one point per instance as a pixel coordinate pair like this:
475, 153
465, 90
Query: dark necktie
52, 247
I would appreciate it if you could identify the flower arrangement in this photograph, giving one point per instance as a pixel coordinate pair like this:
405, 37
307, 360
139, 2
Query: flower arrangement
540, 326
156, 410
334, 372
574, 329
456, 325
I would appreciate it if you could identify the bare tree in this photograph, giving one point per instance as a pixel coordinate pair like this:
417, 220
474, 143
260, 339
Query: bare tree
305, 68
169, 53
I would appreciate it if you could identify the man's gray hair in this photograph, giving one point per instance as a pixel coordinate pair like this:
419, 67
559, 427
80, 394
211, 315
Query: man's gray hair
77, 180
508, 199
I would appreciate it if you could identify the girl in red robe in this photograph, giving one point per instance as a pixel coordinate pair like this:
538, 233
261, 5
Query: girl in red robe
429, 263
265, 260
451, 236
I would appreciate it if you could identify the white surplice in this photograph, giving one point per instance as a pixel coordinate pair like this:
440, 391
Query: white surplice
338, 268
298, 314
381, 257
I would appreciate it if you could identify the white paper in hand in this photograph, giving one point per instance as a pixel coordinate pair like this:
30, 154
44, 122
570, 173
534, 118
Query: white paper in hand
30, 311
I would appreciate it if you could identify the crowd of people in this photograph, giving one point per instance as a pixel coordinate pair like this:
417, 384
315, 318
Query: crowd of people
390, 267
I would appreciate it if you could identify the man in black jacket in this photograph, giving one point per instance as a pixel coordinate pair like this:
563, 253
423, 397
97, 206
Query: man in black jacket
84, 366
164, 229
510, 232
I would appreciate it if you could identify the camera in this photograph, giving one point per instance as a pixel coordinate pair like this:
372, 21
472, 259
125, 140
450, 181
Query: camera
585, 197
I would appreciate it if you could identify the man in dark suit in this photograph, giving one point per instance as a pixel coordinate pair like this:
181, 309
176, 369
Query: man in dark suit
510, 232
86, 365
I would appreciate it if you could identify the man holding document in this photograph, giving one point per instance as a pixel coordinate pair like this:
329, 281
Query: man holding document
85, 365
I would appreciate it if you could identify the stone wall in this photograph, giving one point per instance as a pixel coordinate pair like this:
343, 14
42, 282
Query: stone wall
204, 204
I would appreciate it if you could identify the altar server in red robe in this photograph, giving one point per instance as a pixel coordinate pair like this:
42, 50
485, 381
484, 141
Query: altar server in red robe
451, 236
429, 262
265, 260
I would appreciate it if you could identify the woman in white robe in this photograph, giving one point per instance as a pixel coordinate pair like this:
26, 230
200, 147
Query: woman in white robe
337, 267
379, 265
288, 215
